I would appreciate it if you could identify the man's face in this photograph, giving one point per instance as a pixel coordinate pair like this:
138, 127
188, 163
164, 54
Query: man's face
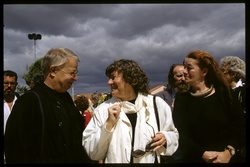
94, 101
65, 76
9, 85
179, 74
179, 85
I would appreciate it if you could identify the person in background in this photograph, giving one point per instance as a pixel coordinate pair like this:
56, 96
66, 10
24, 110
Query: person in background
95, 99
176, 84
107, 96
234, 70
210, 122
47, 128
82, 104
104, 97
124, 128
10, 96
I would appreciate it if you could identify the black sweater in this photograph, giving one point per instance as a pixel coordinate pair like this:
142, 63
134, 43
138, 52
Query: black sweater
207, 124
63, 129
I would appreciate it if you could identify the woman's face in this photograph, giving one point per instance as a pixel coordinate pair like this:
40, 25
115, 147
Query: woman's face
119, 87
228, 75
193, 74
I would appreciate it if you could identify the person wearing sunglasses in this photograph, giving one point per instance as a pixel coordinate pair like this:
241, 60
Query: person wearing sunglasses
124, 129
45, 125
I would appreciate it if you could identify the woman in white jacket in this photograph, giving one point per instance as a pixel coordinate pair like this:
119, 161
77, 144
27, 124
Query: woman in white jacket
123, 126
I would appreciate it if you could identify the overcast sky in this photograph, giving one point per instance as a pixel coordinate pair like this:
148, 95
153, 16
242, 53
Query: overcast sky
154, 35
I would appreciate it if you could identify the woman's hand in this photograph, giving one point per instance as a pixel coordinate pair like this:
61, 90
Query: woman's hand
158, 141
216, 157
114, 112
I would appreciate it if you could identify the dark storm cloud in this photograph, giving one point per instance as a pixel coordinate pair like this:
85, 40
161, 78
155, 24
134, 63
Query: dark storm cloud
53, 19
155, 35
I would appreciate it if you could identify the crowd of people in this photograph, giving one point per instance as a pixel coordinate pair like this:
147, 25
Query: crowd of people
200, 116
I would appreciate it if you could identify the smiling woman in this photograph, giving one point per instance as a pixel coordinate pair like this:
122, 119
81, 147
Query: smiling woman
124, 128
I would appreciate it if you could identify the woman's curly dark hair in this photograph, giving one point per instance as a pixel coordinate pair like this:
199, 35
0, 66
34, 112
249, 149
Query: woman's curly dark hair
132, 74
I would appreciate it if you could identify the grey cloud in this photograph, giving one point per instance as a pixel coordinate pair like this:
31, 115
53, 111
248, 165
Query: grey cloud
155, 35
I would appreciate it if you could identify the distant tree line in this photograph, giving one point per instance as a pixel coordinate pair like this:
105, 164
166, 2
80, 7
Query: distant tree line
33, 77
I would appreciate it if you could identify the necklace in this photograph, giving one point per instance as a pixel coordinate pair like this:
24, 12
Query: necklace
203, 94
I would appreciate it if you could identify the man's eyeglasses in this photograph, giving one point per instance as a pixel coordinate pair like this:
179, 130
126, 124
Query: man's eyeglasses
148, 148
73, 73
11, 83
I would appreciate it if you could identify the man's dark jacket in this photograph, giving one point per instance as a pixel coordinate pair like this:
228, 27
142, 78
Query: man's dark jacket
62, 141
